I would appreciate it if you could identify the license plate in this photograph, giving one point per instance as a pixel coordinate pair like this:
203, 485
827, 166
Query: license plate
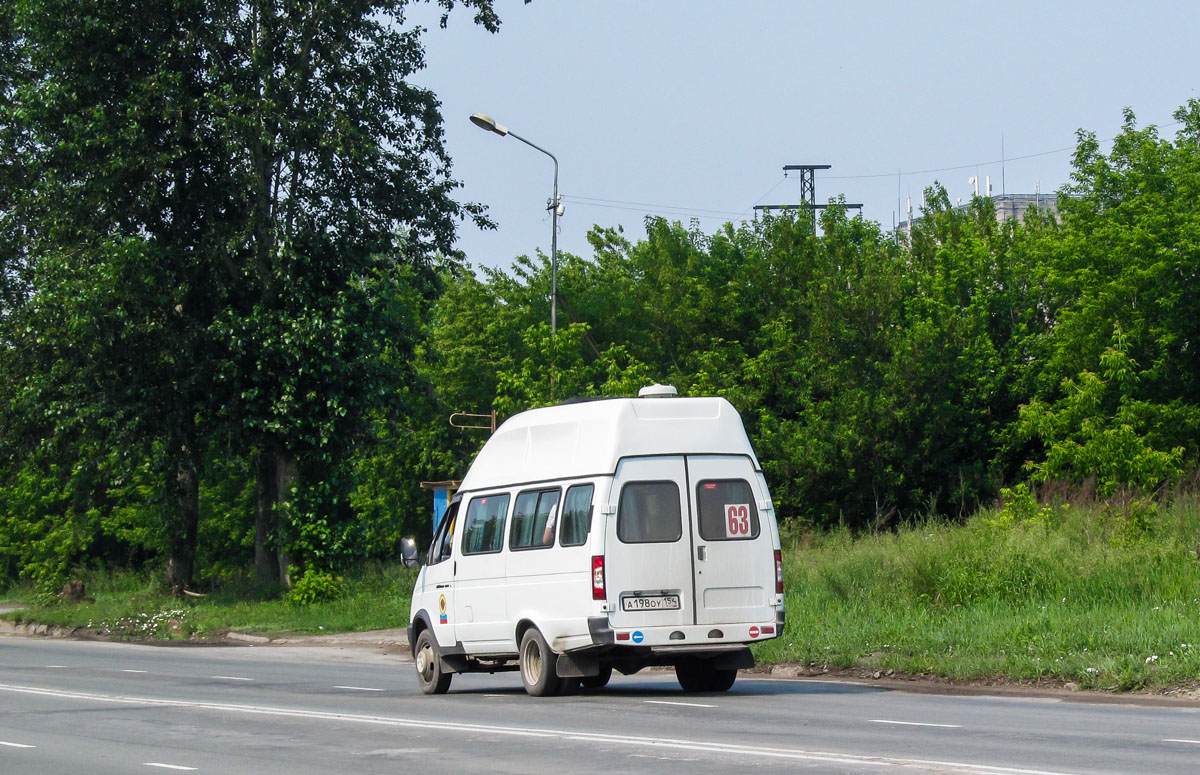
650, 603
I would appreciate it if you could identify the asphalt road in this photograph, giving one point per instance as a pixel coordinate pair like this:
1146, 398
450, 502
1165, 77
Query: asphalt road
76, 707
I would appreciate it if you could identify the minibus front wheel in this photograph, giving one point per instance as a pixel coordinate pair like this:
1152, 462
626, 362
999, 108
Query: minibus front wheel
538, 665
430, 676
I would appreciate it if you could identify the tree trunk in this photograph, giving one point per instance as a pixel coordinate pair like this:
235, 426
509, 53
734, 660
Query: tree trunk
265, 562
181, 563
287, 471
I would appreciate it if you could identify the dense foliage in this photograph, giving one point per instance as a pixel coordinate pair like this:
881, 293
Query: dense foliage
221, 223
232, 325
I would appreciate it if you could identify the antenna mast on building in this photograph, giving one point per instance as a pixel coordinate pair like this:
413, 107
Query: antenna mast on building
1003, 163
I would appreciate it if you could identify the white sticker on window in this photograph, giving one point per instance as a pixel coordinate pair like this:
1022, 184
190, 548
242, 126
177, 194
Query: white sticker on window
737, 519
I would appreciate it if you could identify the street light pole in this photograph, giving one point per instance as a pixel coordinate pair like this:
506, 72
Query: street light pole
487, 122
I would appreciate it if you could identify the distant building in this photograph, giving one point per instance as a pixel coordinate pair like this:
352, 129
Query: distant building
1016, 205
1013, 206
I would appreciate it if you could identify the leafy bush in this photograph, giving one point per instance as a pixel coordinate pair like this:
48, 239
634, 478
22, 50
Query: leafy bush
316, 586
1021, 506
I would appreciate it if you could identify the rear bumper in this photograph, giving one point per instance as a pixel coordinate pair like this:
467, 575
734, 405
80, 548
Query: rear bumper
687, 637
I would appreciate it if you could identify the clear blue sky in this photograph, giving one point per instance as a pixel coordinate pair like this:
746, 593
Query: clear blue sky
690, 108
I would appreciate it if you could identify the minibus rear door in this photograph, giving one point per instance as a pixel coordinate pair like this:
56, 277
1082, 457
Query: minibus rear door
648, 556
732, 536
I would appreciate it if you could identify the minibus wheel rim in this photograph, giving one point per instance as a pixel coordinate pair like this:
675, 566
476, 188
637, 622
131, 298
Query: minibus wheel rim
531, 661
537, 664
429, 673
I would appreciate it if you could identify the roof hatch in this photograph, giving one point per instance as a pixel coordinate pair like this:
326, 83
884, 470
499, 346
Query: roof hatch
658, 391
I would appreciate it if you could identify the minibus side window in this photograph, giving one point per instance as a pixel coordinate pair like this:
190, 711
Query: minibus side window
648, 512
576, 515
483, 532
440, 549
533, 519
727, 510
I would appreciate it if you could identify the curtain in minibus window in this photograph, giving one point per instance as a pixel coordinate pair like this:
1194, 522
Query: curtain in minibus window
484, 529
533, 520
727, 510
576, 515
649, 513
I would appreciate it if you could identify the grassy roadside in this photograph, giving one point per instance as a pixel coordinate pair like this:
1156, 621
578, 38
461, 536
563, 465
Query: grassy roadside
135, 607
1070, 595
1103, 597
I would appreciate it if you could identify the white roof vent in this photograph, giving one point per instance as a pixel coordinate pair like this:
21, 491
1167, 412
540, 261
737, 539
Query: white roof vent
658, 391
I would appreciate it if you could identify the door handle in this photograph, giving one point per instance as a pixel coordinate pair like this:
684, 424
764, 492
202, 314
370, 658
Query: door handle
442, 586
701, 553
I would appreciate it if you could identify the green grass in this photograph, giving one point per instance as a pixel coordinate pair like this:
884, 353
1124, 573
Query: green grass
136, 607
1105, 597
1081, 599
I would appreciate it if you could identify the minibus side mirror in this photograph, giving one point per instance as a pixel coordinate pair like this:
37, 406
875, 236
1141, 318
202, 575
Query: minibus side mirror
409, 556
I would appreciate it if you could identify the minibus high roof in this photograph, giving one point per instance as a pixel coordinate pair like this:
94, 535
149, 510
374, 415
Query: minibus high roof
587, 439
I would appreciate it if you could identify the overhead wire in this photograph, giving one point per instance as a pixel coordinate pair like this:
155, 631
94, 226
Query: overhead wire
652, 210
663, 209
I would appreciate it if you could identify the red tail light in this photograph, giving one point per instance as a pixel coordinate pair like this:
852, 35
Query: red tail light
778, 572
598, 591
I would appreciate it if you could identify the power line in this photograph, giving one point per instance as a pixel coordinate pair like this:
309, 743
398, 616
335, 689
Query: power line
678, 210
948, 169
661, 209
722, 215
766, 194
976, 164
612, 202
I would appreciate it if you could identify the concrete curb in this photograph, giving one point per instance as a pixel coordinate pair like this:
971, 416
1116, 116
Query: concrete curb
35, 630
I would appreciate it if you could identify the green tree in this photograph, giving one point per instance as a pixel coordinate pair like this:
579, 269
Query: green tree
1118, 393
222, 217
108, 202
347, 204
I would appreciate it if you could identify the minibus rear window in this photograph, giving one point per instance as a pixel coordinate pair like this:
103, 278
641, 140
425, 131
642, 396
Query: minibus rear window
484, 531
576, 515
533, 520
649, 513
727, 510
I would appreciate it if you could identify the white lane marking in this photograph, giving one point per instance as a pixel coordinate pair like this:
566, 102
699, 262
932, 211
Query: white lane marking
685, 704
913, 723
56, 667
16, 745
133, 671
963, 768
167, 766
230, 678
358, 688
1189, 742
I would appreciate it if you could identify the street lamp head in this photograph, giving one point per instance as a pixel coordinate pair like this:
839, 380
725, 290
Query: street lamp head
484, 121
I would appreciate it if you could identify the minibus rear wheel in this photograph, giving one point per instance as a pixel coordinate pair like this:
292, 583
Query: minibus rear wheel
599, 680
700, 675
538, 665
723, 678
693, 675
429, 667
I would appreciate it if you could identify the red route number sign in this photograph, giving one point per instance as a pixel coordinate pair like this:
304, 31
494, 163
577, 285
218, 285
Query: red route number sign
737, 519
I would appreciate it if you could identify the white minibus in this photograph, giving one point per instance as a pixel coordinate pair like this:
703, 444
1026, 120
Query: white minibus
603, 534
